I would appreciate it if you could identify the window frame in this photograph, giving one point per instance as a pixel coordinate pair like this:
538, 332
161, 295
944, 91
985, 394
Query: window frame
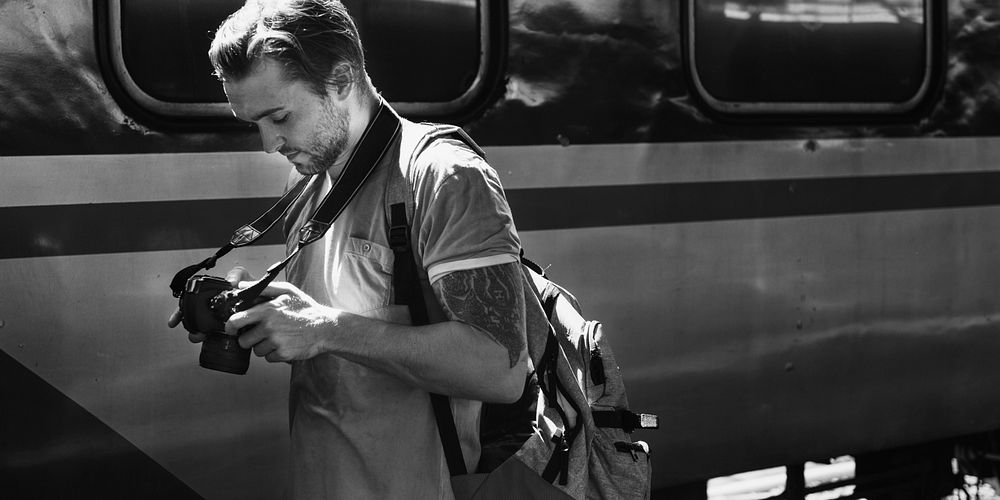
492, 57
933, 18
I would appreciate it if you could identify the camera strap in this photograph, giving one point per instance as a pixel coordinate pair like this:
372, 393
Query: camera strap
375, 142
243, 236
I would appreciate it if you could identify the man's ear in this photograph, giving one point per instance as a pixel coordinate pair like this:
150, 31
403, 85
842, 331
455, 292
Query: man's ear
341, 80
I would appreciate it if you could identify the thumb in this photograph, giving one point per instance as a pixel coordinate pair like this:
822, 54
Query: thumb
238, 274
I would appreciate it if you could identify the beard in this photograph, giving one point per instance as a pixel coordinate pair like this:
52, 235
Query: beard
329, 141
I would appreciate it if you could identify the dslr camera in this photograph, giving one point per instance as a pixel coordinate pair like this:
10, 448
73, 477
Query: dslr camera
206, 304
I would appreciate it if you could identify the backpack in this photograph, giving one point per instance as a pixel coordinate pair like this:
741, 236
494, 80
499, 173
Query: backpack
568, 435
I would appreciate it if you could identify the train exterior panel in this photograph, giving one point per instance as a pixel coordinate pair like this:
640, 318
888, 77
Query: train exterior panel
782, 278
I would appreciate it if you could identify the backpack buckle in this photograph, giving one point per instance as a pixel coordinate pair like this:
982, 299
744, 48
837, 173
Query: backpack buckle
625, 420
648, 421
399, 238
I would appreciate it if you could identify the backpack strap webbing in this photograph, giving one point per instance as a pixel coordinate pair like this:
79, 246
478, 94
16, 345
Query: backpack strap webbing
404, 268
406, 278
408, 292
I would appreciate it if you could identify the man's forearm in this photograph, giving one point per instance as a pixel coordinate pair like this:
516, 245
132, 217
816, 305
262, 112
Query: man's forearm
480, 354
450, 358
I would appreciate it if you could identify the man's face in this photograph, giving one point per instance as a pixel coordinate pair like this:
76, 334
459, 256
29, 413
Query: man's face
308, 129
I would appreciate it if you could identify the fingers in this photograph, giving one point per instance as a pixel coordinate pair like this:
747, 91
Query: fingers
241, 320
264, 348
243, 324
175, 319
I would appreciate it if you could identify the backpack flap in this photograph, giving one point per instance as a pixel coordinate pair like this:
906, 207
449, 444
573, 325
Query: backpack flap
615, 466
619, 467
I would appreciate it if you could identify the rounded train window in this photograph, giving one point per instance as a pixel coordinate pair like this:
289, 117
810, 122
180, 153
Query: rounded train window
819, 56
429, 58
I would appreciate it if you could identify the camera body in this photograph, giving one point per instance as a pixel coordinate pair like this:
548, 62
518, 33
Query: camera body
206, 304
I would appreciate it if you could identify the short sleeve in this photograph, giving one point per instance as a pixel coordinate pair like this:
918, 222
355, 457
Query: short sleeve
464, 219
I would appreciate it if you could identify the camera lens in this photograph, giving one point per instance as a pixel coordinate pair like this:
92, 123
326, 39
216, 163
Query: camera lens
223, 353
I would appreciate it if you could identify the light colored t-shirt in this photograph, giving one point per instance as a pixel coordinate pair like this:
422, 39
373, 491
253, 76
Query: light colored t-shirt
356, 432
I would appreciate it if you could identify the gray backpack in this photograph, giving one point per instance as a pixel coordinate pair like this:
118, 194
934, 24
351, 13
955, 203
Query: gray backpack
569, 435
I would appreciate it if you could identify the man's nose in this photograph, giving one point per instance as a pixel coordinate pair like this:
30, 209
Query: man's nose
271, 139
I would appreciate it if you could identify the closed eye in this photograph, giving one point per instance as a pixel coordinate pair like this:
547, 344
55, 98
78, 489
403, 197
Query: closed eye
280, 118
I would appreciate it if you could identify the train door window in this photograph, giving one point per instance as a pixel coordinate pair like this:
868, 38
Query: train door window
825, 56
427, 57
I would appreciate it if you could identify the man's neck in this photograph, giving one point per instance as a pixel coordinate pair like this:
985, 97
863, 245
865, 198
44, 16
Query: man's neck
362, 111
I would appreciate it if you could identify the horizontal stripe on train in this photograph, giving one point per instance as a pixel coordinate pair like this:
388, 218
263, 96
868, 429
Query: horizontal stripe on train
36, 231
68, 180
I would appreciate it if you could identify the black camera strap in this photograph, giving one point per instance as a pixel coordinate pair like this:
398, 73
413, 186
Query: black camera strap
243, 236
375, 142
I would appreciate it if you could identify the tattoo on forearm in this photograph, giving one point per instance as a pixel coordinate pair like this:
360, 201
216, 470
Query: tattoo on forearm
489, 298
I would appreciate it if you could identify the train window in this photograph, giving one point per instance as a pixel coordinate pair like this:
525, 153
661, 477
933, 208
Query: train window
427, 57
792, 56
811, 481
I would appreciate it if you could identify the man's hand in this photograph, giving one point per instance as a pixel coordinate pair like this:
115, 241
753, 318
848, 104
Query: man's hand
234, 276
290, 327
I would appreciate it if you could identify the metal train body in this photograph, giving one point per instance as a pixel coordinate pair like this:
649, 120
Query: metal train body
781, 280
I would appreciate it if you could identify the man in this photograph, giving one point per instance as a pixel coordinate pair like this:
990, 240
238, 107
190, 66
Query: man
361, 419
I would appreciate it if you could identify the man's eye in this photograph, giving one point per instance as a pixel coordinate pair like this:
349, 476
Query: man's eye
280, 119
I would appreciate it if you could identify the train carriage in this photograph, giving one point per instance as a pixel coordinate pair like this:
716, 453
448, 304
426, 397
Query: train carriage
784, 211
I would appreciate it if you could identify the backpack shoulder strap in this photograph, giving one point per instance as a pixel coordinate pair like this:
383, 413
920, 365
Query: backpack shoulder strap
416, 138
399, 203
399, 206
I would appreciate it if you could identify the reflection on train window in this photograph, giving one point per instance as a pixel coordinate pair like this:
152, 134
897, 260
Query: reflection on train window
766, 56
426, 56
828, 480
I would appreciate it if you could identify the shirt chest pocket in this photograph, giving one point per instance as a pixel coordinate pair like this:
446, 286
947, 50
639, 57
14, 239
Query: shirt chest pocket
365, 278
